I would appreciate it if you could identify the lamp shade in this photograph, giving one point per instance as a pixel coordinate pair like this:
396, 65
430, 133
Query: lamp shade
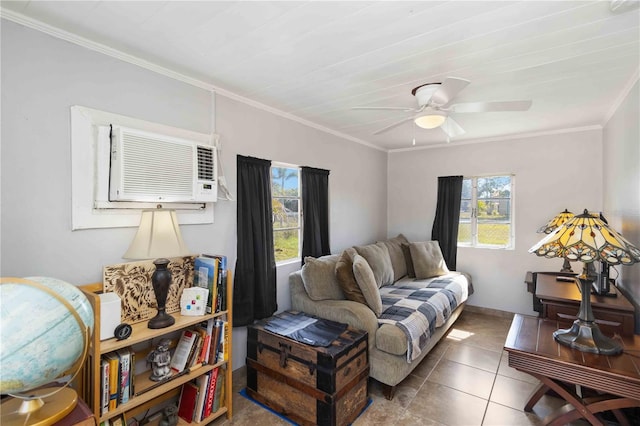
587, 238
556, 222
430, 120
158, 236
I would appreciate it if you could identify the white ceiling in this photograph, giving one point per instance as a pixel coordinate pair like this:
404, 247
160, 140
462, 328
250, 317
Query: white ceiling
315, 60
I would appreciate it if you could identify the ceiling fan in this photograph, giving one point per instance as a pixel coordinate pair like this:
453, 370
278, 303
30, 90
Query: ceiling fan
434, 107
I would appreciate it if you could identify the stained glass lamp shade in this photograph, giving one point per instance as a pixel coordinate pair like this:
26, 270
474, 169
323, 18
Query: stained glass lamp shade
588, 239
554, 224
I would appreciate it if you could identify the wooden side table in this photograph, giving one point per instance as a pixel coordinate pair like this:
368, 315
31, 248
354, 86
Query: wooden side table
561, 302
616, 378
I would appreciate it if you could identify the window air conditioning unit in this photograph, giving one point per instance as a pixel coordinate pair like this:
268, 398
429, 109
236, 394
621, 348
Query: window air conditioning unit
150, 167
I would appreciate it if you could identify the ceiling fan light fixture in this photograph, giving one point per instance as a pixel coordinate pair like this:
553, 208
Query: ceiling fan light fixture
431, 120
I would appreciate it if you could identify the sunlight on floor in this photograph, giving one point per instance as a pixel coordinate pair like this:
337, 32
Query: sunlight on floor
458, 335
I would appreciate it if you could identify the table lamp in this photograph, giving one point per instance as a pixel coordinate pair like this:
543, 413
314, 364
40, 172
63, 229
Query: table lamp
588, 239
554, 224
158, 237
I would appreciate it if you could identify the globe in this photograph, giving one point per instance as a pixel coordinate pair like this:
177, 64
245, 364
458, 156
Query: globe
42, 338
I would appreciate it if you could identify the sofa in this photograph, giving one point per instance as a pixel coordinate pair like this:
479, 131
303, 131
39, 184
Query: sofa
400, 292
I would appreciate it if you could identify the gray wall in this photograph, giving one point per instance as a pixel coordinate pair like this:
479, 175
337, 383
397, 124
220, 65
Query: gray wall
43, 76
621, 159
552, 172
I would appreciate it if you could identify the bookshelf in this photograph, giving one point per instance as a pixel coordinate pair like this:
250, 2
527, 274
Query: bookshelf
148, 393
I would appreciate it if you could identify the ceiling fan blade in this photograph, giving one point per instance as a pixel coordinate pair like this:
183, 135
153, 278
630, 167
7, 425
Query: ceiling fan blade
391, 126
451, 128
385, 108
448, 90
491, 106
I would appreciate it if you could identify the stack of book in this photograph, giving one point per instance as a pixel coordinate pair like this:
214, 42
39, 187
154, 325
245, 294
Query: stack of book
116, 382
202, 396
211, 273
206, 343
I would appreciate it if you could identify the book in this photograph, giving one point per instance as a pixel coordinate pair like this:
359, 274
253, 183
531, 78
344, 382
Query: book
221, 303
201, 382
220, 342
125, 375
205, 337
188, 399
225, 341
215, 341
195, 350
104, 385
211, 389
206, 276
218, 398
132, 374
114, 380
183, 350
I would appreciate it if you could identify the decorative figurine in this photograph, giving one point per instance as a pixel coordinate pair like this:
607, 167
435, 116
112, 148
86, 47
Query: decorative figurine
160, 358
170, 416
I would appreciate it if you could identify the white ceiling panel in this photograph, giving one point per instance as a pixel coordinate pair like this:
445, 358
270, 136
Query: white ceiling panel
315, 60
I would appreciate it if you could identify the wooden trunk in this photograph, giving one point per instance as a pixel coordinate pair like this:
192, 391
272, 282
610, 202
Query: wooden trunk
307, 384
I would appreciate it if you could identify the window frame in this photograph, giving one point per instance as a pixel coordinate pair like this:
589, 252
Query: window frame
279, 165
474, 243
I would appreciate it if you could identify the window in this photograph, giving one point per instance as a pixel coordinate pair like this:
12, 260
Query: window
486, 212
286, 203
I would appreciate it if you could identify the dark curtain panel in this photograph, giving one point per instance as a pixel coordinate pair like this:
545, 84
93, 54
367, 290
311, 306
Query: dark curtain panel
315, 210
254, 291
445, 224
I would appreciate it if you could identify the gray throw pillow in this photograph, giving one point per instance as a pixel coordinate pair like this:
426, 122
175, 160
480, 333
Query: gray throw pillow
346, 278
394, 245
319, 278
378, 258
367, 283
427, 259
411, 273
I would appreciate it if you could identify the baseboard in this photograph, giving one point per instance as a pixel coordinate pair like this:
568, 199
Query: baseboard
489, 311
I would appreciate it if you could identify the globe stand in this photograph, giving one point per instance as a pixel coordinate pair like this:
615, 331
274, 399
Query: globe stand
161, 280
40, 407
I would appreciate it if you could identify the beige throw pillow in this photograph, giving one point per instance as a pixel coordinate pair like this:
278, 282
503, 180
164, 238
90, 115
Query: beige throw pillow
346, 278
398, 263
367, 283
427, 259
378, 258
319, 278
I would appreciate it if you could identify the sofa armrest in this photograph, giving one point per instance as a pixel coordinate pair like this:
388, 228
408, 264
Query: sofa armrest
355, 314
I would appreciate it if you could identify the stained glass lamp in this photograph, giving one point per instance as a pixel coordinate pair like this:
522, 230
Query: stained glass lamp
587, 238
554, 224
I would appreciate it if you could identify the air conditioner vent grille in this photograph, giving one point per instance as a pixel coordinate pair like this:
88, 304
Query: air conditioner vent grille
205, 163
168, 173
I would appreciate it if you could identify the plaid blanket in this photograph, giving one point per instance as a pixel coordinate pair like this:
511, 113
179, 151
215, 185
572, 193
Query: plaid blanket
419, 307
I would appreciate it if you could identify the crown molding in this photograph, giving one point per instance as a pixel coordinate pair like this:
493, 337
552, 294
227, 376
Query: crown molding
501, 138
28, 22
622, 96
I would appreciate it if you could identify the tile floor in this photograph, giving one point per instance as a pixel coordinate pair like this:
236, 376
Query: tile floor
465, 380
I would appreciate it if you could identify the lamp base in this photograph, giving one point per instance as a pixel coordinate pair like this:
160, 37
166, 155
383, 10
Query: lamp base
585, 336
161, 281
162, 320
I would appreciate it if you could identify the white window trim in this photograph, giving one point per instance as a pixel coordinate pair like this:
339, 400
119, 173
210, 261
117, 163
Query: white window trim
278, 164
474, 223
